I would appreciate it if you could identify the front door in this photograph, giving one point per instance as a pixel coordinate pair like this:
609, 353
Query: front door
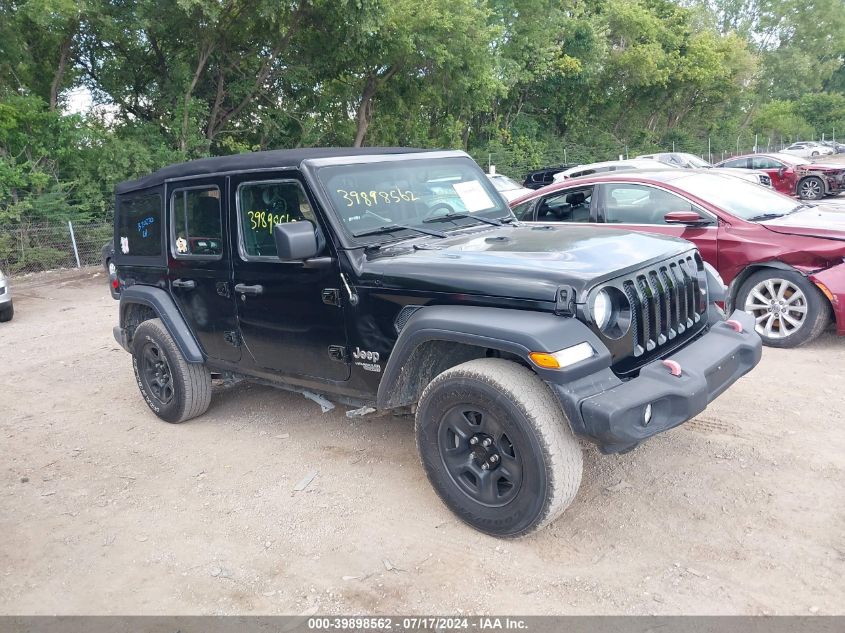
199, 263
639, 207
288, 324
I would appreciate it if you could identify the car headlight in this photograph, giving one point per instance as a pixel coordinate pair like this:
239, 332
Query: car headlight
715, 274
611, 312
602, 309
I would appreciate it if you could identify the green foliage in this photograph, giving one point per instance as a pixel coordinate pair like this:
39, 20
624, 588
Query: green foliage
522, 83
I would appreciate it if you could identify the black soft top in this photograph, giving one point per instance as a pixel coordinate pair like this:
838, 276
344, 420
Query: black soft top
274, 159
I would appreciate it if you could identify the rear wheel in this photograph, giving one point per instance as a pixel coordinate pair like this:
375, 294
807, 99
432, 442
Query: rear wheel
497, 448
174, 389
811, 188
7, 313
788, 309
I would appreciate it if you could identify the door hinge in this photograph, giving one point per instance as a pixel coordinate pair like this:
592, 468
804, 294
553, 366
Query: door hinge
233, 338
331, 296
337, 352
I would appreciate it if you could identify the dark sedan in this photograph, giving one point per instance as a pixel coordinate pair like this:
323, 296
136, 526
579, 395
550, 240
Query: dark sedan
785, 260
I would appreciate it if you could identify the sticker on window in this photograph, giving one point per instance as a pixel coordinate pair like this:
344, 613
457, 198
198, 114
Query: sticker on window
124, 245
473, 195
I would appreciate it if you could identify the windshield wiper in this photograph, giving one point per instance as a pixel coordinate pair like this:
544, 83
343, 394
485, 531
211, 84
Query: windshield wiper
461, 216
772, 216
766, 216
390, 228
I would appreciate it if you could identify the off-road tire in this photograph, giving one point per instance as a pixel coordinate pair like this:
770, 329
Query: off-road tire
811, 188
191, 382
7, 313
818, 313
536, 430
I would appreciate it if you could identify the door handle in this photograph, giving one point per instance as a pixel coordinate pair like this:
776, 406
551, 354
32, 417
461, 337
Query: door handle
188, 284
249, 290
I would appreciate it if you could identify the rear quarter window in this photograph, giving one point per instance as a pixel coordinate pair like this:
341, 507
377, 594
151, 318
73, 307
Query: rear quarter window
138, 226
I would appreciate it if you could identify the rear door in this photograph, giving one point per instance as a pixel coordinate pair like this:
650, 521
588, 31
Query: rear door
782, 175
199, 265
573, 205
288, 320
642, 207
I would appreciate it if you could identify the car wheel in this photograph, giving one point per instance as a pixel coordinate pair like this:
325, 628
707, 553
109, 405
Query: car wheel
814, 154
174, 389
497, 448
788, 309
7, 313
811, 188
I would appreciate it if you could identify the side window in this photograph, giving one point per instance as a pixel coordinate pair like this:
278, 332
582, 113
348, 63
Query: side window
763, 162
262, 205
569, 206
736, 162
139, 226
196, 228
523, 211
640, 204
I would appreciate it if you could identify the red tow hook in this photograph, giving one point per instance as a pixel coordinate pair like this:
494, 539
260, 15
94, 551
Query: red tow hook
735, 325
673, 366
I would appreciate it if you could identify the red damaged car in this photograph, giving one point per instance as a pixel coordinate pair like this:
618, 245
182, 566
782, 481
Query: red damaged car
793, 175
784, 260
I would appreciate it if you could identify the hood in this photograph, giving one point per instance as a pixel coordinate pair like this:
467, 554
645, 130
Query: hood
826, 167
827, 222
524, 262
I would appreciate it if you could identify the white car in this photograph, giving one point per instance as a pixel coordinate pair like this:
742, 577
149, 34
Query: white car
7, 311
508, 187
610, 165
691, 161
808, 149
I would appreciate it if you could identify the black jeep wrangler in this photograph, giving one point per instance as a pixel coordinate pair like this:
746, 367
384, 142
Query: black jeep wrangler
398, 279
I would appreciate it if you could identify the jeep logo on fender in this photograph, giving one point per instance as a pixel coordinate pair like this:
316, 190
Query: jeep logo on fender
360, 354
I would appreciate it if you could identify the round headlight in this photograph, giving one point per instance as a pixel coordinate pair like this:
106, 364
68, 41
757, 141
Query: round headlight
602, 309
611, 312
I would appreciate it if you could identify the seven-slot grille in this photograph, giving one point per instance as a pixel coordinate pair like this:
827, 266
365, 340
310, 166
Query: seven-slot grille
664, 302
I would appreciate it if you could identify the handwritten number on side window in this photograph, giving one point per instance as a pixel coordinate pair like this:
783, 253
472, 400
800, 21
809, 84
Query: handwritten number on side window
260, 220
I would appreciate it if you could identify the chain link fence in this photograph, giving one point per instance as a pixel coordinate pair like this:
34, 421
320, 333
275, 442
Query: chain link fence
37, 248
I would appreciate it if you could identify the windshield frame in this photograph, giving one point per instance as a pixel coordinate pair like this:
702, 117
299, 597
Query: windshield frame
345, 236
713, 188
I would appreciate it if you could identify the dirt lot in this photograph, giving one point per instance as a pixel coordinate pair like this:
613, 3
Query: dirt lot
106, 509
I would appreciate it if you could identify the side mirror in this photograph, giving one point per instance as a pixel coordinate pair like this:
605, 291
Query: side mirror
689, 218
296, 241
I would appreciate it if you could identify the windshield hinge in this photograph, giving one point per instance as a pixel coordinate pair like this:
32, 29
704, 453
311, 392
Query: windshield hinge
565, 302
353, 297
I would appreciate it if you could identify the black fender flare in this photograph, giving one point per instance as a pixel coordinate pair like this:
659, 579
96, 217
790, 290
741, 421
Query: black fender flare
517, 332
165, 308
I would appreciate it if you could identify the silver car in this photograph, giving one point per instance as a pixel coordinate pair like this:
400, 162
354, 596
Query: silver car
6, 308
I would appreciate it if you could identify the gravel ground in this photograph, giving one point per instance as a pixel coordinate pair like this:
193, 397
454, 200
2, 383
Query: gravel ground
105, 509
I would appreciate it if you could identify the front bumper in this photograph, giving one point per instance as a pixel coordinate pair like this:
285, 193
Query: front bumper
5, 293
611, 412
833, 279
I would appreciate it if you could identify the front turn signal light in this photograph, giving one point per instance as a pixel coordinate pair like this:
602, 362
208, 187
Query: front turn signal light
563, 358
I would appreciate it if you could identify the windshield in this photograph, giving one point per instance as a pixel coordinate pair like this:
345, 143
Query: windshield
370, 196
790, 159
738, 197
695, 161
503, 183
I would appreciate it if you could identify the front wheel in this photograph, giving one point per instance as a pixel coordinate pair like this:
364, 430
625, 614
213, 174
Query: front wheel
497, 448
174, 389
7, 313
811, 188
788, 309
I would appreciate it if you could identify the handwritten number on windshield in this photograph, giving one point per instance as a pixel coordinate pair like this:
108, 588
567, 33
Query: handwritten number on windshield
373, 198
